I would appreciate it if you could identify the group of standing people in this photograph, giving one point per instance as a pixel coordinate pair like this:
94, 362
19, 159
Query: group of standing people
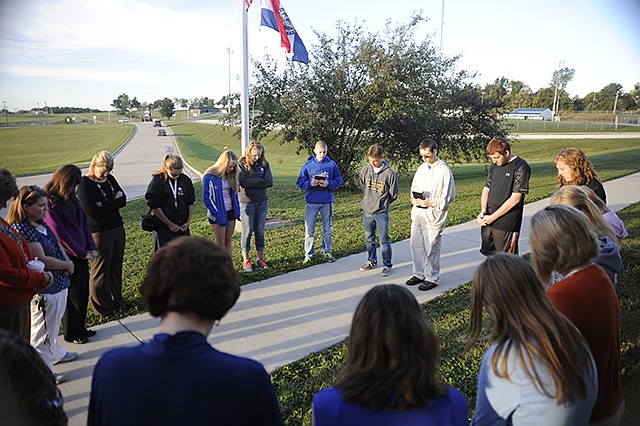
73, 231
232, 189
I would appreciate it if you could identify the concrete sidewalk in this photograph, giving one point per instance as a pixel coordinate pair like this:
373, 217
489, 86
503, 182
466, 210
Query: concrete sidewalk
284, 318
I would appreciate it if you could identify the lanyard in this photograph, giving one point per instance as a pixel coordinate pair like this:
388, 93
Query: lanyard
174, 190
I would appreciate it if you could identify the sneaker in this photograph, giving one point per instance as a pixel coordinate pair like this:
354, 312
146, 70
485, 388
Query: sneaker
367, 266
68, 357
247, 267
329, 257
307, 260
414, 281
262, 263
59, 378
427, 285
386, 271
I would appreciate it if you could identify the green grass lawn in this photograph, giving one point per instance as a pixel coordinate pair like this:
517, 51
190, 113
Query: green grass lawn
38, 149
297, 382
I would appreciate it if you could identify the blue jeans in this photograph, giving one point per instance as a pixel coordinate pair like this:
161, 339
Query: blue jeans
253, 217
381, 222
310, 218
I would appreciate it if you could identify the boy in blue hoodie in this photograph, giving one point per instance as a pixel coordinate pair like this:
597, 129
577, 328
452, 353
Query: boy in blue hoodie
319, 176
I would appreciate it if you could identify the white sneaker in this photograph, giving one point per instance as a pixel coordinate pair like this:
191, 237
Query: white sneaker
386, 271
68, 357
59, 378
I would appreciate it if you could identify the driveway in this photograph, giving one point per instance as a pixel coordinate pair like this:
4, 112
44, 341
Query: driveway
135, 161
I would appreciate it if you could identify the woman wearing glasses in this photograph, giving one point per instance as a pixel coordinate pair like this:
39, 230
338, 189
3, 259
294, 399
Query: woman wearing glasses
102, 198
170, 195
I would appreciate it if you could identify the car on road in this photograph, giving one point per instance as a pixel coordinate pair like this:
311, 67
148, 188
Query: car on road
162, 132
157, 123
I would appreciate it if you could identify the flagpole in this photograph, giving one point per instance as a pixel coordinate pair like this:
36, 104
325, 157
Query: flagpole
244, 92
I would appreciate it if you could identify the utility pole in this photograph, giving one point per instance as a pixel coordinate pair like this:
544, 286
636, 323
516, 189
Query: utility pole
229, 52
441, 25
615, 103
555, 93
38, 112
6, 116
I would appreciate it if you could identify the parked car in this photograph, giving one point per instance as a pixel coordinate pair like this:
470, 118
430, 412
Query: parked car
123, 120
162, 132
157, 123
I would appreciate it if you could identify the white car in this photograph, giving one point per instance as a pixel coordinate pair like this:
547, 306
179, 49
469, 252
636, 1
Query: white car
123, 120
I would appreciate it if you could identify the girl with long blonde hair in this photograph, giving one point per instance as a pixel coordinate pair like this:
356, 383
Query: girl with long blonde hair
254, 178
220, 196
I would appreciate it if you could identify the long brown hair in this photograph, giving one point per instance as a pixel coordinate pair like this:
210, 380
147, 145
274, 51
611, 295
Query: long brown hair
524, 320
392, 353
28, 196
581, 168
63, 183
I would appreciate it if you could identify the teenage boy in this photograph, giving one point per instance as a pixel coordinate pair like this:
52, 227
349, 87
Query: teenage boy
432, 190
319, 177
502, 200
380, 188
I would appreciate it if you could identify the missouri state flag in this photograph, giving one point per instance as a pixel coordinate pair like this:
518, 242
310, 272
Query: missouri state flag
274, 16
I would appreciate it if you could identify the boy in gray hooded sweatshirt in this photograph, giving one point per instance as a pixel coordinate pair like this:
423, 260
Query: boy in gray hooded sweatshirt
380, 188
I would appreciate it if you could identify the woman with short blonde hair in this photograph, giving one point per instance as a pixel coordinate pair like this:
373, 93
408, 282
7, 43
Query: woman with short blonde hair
102, 197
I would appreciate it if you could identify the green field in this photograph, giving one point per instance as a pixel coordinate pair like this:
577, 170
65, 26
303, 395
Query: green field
569, 126
38, 149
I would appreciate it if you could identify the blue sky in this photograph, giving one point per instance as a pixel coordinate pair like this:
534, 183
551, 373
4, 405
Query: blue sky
85, 53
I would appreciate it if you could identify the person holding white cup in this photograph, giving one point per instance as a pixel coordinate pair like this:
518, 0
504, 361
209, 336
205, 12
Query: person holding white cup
18, 284
47, 307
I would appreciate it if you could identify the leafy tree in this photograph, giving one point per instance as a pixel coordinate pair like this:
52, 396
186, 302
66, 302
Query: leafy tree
166, 107
122, 104
362, 88
518, 95
559, 80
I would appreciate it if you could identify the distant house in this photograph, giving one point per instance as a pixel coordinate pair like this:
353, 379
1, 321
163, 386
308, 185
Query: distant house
204, 110
531, 114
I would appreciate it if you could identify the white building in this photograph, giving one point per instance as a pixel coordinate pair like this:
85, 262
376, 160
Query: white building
531, 114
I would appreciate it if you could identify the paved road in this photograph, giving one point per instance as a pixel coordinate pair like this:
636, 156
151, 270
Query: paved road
604, 135
135, 161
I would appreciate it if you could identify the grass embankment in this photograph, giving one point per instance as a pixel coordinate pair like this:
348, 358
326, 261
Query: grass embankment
39, 149
297, 382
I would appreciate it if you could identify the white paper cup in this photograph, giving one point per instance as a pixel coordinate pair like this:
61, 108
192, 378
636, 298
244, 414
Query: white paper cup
35, 265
